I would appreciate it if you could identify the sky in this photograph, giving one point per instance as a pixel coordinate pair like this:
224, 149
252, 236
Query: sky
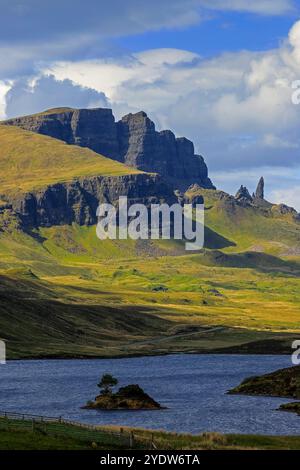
219, 72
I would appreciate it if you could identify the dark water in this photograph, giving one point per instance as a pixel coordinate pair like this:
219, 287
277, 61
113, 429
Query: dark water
191, 386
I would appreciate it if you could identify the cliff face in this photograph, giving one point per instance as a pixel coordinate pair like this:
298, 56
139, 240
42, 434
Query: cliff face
133, 141
95, 129
77, 201
174, 158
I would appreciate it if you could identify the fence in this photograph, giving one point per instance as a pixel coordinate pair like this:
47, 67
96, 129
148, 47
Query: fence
59, 427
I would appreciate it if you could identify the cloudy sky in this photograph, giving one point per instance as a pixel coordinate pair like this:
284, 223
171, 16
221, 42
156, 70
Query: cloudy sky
217, 71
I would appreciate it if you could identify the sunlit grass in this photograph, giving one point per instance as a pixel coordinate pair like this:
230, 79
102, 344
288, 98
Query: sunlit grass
31, 161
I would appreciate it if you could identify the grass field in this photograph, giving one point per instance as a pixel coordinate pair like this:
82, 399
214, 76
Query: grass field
262, 228
20, 435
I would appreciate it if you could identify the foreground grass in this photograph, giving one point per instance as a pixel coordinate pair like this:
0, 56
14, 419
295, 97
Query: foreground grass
20, 437
218, 441
26, 434
25, 440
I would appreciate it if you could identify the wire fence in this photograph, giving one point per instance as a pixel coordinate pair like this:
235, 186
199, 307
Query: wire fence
60, 427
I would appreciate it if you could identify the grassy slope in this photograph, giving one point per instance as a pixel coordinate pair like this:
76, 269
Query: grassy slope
30, 161
248, 228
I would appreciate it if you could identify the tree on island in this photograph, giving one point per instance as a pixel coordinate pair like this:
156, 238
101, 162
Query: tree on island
106, 384
130, 397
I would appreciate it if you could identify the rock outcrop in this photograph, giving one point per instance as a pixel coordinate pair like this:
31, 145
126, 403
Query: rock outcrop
133, 141
282, 383
243, 196
174, 158
77, 201
260, 190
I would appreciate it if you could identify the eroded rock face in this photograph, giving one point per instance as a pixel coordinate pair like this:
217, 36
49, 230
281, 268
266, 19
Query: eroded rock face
133, 140
260, 190
174, 158
243, 196
77, 201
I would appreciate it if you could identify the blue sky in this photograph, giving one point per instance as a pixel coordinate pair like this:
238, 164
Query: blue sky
222, 31
217, 71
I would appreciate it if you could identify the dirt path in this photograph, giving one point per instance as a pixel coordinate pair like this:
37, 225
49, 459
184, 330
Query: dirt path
176, 336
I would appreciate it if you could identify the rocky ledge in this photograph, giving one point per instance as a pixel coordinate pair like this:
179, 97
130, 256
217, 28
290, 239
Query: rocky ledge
282, 383
131, 397
77, 201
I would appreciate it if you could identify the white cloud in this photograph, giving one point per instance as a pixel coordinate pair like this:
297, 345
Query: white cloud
264, 7
290, 196
4, 88
273, 141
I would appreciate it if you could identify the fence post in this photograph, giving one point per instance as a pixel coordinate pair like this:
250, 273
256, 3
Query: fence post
131, 440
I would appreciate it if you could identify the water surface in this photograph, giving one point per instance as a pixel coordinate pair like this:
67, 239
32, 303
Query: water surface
193, 387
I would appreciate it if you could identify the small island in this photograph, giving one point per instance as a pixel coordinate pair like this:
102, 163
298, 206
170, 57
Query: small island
131, 397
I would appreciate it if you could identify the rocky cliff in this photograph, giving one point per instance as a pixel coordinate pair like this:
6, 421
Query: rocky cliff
133, 141
77, 201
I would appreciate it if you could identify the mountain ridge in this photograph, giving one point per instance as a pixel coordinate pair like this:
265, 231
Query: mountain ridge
133, 141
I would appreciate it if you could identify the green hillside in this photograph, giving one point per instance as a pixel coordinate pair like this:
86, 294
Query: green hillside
262, 228
31, 161
63, 292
